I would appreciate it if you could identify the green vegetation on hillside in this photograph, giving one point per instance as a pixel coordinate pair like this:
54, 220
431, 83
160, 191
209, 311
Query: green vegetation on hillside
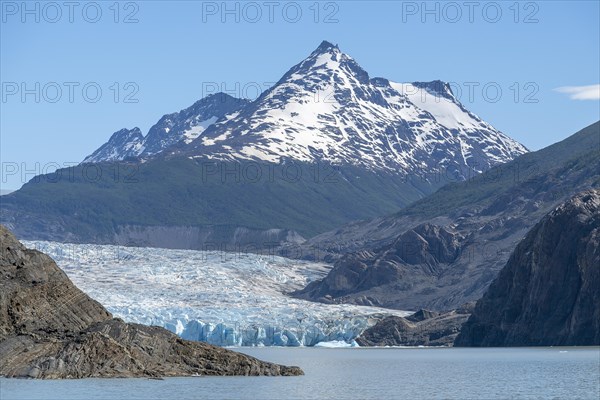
93, 200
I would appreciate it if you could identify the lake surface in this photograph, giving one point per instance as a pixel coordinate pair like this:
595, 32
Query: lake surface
337, 374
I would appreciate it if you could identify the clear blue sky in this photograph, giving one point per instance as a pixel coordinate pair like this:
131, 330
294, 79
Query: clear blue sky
176, 51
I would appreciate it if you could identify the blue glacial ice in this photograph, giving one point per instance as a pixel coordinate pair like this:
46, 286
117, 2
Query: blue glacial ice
226, 299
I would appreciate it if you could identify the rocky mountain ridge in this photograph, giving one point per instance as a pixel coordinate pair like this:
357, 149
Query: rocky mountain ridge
423, 328
183, 126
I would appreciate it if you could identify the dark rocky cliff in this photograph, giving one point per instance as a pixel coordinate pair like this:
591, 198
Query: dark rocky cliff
51, 329
549, 291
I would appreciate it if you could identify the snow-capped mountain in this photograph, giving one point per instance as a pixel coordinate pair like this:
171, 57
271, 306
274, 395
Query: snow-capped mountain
183, 126
327, 109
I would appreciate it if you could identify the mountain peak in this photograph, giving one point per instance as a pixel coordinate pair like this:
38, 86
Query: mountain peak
326, 108
123, 144
215, 100
325, 63
182, 126
326, 46
124, 134
219, 96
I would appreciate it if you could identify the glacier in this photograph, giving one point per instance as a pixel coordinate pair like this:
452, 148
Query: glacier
225, 299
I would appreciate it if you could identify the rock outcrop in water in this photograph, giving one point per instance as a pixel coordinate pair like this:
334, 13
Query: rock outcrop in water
549, 291
423, 328
51, 329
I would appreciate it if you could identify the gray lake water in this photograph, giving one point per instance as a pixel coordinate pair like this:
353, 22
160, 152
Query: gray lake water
337, 374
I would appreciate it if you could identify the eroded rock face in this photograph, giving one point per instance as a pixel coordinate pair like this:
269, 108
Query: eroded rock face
37, 297
418, 256
549, 291
51, 329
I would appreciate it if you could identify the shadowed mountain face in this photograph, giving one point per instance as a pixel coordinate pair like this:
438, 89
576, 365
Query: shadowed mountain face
548, 294
325, 145
445, 250
51, 329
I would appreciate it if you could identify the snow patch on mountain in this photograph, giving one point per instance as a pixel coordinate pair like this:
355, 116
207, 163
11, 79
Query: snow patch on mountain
443, 109
197, 129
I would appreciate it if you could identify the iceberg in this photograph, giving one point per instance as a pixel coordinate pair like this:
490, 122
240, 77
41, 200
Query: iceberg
337, 344
225, 299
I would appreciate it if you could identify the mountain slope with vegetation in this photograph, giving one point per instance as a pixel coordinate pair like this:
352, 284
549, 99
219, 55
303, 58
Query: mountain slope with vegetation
74, 205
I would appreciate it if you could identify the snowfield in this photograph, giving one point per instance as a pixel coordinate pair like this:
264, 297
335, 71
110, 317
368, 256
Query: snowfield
226, 299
